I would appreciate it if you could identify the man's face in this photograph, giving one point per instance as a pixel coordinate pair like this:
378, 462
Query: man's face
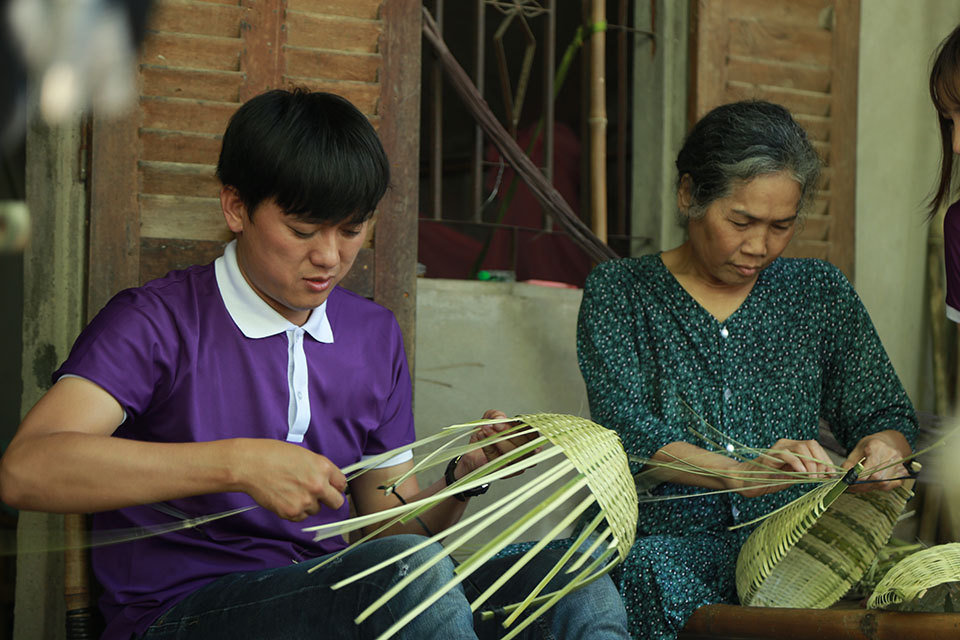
293, 265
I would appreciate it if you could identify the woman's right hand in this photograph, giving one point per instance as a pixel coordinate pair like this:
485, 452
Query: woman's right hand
806, 456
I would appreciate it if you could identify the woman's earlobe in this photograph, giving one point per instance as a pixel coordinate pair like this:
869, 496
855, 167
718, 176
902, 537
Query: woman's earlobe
685, 193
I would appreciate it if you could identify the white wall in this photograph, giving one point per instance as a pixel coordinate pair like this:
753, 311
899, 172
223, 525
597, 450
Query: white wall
897, 155
483, 345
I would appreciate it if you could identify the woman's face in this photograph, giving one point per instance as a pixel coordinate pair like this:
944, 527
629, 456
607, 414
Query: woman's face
741, 234
950, 109
953, 117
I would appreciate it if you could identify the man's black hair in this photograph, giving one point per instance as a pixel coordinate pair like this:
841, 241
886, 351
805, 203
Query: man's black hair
315, 154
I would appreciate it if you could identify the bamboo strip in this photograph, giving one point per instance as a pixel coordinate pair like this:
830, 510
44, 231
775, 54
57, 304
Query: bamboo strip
544, 480
567, 520
573, 585
573, 548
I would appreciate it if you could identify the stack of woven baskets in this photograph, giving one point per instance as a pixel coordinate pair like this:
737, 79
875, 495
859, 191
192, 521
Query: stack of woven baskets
814, 550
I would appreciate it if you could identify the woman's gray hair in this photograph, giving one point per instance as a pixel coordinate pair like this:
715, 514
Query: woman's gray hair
737, 142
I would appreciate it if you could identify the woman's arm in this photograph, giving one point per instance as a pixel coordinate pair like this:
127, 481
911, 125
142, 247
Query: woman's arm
805, 456
863, 399
614, 350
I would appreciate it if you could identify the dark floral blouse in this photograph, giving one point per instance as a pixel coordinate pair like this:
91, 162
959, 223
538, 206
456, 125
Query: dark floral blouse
800, 348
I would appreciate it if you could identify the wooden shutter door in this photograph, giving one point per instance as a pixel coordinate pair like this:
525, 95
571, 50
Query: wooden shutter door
153, 194
801, 54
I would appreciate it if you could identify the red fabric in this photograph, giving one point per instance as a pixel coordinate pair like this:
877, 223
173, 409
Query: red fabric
448, 253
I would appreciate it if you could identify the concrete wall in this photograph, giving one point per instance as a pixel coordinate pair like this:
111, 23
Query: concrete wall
897, 152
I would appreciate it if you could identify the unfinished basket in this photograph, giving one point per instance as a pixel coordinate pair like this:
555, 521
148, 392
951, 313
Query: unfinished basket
809, 554
887, 558
910, 578
580, 458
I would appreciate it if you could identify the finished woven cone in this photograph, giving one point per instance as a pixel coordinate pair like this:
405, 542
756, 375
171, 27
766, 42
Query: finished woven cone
809, 554
912, 577
582, 460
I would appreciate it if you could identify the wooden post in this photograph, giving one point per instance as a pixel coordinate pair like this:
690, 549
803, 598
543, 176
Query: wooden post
598, 121
76, 578
395, 279
53, 304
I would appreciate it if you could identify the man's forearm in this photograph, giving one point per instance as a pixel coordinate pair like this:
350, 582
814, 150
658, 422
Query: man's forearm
70, 472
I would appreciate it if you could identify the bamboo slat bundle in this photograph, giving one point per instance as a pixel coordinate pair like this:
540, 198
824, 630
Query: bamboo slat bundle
584, 461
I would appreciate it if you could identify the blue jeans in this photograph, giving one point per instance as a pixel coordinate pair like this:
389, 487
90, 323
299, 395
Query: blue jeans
289, 603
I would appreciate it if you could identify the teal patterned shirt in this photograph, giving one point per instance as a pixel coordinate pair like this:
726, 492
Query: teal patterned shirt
800, 348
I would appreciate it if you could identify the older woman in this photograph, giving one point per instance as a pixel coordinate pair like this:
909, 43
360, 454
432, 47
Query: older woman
724, 330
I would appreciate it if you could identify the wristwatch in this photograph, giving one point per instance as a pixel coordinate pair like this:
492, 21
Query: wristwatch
469, 493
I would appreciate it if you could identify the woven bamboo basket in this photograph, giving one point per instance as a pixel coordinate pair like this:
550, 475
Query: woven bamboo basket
581, 460
888, 557
808, 554
910, 578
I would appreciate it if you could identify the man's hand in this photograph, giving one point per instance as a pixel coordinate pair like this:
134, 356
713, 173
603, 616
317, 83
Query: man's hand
787, 455
880, 449
287, 479
479, 457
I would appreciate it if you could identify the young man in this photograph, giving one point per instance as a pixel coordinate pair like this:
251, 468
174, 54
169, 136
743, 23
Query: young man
252, 380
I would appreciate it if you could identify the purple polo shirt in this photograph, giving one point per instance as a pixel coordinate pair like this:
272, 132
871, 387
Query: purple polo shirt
951, 254
184, 369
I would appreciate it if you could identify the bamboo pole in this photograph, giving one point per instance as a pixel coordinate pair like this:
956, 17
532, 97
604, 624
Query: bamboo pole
598, 121
933, 505
938, 314
77, 578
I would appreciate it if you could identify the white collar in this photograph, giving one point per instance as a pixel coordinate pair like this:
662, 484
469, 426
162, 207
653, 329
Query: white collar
252, 315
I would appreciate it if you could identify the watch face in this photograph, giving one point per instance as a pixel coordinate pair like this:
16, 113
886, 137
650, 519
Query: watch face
478, 491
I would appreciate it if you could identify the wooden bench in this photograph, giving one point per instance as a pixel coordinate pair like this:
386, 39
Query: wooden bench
731, 622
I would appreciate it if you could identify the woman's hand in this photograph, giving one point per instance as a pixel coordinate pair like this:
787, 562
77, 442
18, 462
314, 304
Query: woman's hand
805, 456
479, 457
880, 449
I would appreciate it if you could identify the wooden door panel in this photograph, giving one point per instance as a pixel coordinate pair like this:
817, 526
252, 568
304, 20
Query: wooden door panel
154, 194
801, 54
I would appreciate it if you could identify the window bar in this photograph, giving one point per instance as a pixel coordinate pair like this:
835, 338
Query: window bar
436, 133
598, 123
480, 9
584, 132
549, 69
622, 118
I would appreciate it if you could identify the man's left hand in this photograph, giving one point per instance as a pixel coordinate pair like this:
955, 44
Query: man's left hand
479, 457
